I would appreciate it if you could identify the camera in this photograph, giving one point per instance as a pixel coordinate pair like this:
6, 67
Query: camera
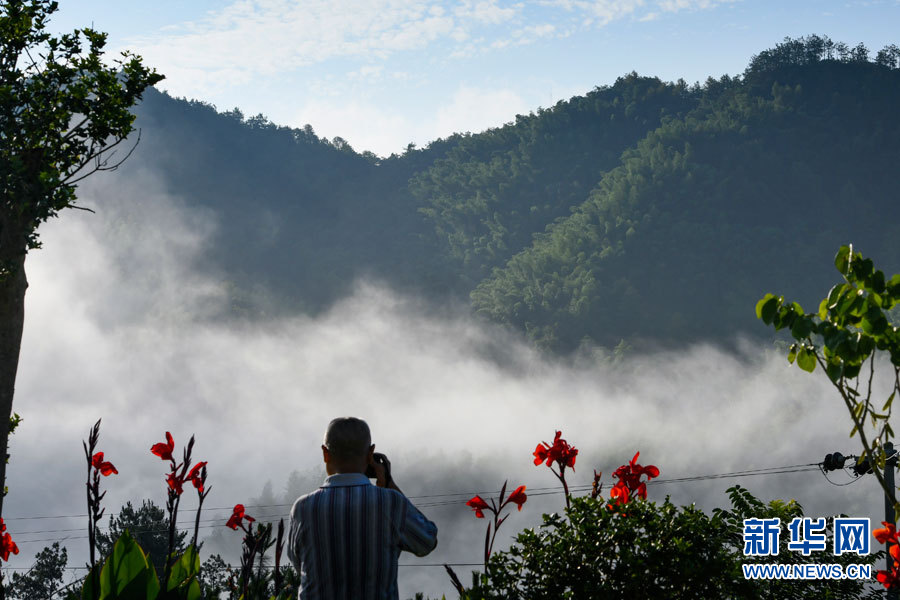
380, 459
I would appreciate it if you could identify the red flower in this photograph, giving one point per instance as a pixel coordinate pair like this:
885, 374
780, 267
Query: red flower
620, 493
630, 476
630, 484
541, 453
164, 449
105, 467
886, 534
889, 579
7, 545
175, 482
518, 497
195, 477
560, 452
478, 505
238, 516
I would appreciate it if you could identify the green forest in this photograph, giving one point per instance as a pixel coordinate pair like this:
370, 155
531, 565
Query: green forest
646, 211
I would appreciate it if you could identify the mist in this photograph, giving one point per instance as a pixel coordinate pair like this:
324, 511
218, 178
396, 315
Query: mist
123, 324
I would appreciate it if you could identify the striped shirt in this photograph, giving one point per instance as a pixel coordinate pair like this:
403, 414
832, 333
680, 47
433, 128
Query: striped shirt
345, 539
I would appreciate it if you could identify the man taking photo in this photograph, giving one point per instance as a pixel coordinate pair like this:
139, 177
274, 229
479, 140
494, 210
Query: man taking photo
346, 537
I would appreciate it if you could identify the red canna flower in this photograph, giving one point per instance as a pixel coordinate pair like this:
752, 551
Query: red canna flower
194, 476
478, 505
7, 545
541, 453
620, 493
630, 485
629, 477
518, 497
886, 534
164, 449
560, 452
175, 482
889, 579
105, 467
237, 516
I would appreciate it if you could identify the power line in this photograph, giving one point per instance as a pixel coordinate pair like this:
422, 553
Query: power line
457, 498
268, 568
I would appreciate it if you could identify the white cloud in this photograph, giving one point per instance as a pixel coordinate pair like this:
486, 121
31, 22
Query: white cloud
473, 109
366, 126
599, 12
602, 12
253, 38
486, 11
678, 5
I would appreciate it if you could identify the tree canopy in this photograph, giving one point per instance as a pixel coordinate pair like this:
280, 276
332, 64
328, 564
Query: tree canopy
63, 114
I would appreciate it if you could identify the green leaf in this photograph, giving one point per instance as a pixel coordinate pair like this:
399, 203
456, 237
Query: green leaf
759, 305
792, 353
126, 574
87, 592
801, 328
842, 259
893, 286
835, 292
189, 591
890, 401
878, 283
834, 370
767, 308
846, 300
851, 371
187, 566
823, 309
806, 360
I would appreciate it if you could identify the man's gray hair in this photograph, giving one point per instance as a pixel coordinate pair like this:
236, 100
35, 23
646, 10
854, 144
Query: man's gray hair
348, 438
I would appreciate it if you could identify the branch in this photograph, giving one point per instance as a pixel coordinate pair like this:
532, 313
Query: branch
862, 434
33, 62
101, 165
72, 131
868, 407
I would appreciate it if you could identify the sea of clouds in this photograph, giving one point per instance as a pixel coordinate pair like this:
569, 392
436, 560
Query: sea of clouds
122, 324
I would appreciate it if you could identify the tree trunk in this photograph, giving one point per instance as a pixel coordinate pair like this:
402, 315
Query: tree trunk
12, 317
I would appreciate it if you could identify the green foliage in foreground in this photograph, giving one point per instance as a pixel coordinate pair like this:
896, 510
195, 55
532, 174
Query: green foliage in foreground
652, 550
845, 337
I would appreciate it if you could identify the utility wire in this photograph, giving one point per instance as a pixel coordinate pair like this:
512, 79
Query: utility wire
451, 500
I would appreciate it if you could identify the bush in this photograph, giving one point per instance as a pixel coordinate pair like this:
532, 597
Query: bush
646, 549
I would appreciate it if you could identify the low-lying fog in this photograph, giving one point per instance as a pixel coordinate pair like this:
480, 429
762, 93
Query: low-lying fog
118, 326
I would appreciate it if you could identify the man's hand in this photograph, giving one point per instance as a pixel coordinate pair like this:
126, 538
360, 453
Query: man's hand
382, 467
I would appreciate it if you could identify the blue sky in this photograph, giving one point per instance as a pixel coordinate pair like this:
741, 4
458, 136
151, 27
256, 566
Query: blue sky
384, 73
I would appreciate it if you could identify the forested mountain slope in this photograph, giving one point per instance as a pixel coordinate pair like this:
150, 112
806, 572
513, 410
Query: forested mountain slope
645, 210
753, 191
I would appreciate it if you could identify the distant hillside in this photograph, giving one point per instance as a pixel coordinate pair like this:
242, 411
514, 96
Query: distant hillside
752, 191
647, 211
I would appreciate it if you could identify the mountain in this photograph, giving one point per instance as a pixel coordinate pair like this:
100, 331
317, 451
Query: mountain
647, 211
